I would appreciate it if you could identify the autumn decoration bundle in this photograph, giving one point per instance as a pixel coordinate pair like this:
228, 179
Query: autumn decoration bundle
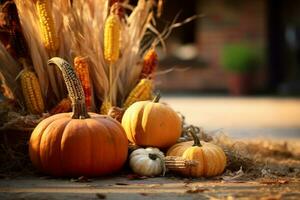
112, 47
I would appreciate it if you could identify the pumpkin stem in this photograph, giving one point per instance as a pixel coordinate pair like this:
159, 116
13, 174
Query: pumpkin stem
156, 98
74, 87
192, 131
153, 156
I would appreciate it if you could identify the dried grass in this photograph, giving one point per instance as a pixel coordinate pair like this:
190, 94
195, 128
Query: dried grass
80, 30
14, 160
9, 70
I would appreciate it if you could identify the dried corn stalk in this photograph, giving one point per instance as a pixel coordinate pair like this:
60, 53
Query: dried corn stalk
106, 105
12, 25
141, 92
116, 113
120, 9
4, 88
41, 17
159, 8
112, 29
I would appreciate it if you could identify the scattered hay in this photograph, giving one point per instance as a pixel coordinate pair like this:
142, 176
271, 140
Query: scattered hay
15, 130
14, 156
261, 157
255, 158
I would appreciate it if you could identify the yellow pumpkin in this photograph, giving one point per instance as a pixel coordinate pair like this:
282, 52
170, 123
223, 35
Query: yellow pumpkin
77, 143
153, 124
210, 159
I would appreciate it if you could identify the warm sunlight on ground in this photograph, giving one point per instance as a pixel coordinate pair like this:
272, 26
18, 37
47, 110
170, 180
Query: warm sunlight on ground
242, 117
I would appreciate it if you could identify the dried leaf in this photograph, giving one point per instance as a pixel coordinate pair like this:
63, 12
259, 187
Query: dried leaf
234, 176
274, 181
81, 179
154, 185
277, 197
2, 19
144, 194
122, 184
136, 177
283, 181
101, 196
196, 190
187, 181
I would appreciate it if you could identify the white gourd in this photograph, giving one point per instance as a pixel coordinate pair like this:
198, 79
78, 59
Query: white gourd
147, 162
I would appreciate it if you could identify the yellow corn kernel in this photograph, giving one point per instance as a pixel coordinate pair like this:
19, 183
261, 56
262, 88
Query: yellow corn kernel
141, 92
149, 64
65, 105
32, 92
47, 27
106, 105
81, 67
112, 37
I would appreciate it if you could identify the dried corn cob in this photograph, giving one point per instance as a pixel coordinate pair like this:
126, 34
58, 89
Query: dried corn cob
177, 163
150, 64
81, 67
112, 36
16, 37
141, 92
106, 105
65, 105
47, 27
32, 92
112, 29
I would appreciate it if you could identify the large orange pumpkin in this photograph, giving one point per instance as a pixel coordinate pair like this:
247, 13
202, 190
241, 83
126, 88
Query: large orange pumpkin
78, 143
210, 158
153, 124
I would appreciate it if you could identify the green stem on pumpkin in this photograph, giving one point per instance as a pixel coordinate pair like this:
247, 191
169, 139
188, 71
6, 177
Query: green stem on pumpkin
74, 87
156, 98
154, 156
192, 131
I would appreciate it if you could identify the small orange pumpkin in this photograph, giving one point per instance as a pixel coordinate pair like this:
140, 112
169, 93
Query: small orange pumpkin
210, 158
152, 124
78, 143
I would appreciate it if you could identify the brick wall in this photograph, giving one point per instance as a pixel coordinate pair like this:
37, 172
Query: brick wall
225, 21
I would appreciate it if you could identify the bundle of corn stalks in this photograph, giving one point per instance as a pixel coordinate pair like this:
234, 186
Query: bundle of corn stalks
111, 43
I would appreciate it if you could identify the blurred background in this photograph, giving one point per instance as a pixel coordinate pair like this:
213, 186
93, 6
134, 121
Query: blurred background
237, 47
236, 68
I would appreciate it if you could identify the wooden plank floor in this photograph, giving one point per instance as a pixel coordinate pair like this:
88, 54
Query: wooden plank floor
153, 188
